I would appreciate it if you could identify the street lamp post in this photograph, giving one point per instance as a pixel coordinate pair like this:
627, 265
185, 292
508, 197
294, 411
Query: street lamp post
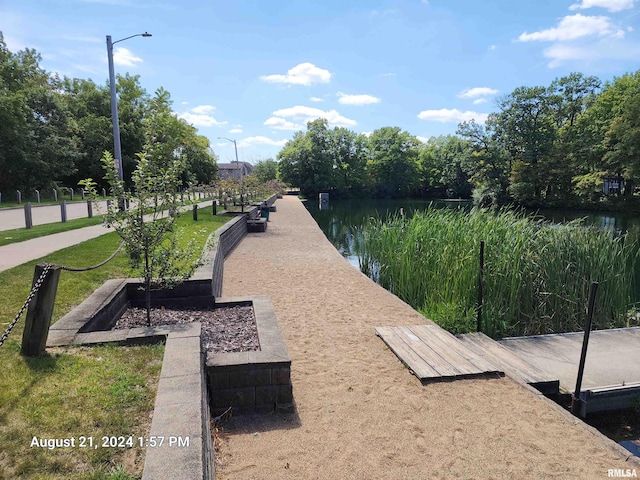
235, 146
117, 153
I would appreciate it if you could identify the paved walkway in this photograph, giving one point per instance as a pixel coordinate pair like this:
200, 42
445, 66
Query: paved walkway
360, 412
12, 218
16, 254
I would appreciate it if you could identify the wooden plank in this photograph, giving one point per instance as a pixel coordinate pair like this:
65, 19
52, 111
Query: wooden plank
505, 359
432, 357
410, 358
477, 363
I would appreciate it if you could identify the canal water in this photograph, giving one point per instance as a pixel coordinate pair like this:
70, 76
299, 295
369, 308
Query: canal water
337, 218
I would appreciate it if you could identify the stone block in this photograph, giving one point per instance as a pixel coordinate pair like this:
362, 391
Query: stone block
218, 380
285, 394
281, 376
267, 395
251, 377
234, 397
181, 357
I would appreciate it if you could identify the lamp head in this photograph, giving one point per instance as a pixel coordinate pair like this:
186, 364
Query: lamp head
146, 34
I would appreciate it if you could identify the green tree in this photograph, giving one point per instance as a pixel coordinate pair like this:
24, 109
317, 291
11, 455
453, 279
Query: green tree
393, 162
486, 162
349, 153
266, 170
306, 160
528, 130
36, 130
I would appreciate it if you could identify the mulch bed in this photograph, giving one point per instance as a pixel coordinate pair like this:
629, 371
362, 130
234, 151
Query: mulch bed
227, 329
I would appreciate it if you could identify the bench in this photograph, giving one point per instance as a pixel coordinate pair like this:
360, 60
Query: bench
257, 224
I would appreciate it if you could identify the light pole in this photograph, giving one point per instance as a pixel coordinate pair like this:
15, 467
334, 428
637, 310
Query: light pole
114, 102
235, 146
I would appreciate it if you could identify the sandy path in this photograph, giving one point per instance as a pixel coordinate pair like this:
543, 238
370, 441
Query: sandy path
360, 413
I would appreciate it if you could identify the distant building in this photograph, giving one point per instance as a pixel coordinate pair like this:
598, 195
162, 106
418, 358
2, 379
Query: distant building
613, 185
234, 170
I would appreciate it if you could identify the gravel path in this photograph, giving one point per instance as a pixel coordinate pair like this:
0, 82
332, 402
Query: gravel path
360, 413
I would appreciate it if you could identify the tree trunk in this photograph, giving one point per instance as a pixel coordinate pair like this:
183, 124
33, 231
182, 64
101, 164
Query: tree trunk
147, 287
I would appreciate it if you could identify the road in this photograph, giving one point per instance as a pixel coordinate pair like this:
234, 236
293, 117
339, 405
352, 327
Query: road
12, 218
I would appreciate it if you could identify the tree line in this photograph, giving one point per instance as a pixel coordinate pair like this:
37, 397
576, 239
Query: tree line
54, 131
544, 146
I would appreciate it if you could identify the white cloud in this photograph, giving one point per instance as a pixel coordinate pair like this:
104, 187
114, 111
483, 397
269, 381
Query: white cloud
390, 74
305, 114
261, 140
357, 99
316, 99
302, 74
607, 49
492, 47
367, 134
199, 116
452, 115
477, 92
235, 130
479, 101
184, 103
282, 124
123, 56
203, 109
572, 27
611, 5
422, 139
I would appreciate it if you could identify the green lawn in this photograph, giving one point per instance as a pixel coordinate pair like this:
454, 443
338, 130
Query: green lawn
22, 234
77, 391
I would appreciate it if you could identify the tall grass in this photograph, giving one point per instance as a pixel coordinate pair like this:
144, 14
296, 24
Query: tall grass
537, 275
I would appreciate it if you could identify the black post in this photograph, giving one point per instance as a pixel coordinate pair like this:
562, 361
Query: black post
36, 327
214, 207
89, 209
195, 213
63, 210
576, 403
480, 275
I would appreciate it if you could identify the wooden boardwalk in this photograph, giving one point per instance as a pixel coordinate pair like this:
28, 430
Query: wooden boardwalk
434, 354
514, 366
611, 375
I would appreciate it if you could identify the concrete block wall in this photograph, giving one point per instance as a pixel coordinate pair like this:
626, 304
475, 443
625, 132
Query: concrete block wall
251, 388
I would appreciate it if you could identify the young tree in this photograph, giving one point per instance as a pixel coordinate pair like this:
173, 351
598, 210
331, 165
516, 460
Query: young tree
161, 257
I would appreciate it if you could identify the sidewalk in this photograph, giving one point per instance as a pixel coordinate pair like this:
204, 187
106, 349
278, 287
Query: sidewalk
360, 413
16, 254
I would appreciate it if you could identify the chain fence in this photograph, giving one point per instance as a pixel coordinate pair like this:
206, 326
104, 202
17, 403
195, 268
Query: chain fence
36, 286
34, 290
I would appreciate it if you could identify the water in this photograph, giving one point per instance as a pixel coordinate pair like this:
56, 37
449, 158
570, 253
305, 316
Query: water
338, 217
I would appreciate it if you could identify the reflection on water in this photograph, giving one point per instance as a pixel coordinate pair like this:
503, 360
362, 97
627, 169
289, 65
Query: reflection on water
338, 217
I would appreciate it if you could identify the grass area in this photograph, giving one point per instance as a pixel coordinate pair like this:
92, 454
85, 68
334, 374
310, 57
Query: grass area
22, 234
537, 276
79, 391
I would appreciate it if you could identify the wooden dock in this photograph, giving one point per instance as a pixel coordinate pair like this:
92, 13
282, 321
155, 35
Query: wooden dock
512, 365
547, 362
434, 354
611, 375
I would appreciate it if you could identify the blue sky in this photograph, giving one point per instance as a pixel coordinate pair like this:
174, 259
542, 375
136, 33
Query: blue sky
257, 71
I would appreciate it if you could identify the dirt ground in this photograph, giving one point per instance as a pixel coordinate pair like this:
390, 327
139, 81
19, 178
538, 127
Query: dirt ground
360, 413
